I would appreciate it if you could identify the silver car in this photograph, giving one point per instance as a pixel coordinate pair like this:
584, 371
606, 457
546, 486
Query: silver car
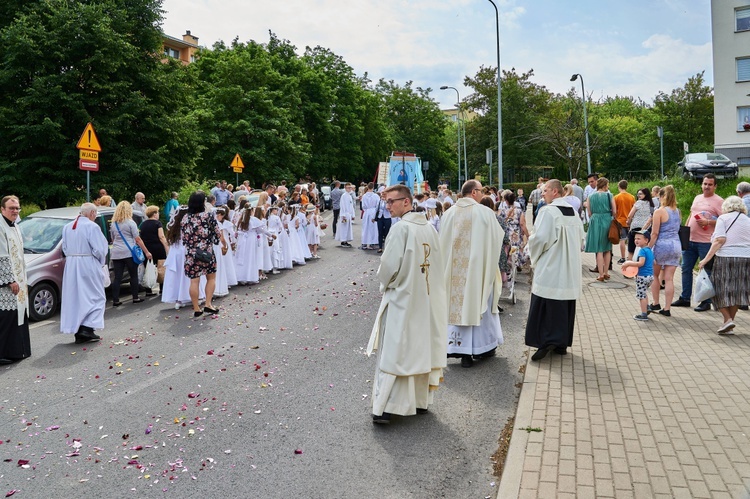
42, 243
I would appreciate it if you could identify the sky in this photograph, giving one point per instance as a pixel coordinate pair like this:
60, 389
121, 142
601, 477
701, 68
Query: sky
629, 48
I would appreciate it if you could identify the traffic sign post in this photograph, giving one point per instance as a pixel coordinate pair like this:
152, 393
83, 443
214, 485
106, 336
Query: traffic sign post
88, 154
237, 166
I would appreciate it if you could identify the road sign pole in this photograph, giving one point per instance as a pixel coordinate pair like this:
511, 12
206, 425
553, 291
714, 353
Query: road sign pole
88, 186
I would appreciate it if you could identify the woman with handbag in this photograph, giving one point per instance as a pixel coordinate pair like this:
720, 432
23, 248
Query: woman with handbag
200, 232
152, 234
601, 206
665, 241
126, 247
730, 250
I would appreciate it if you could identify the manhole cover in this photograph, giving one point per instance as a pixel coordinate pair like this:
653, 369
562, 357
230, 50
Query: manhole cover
608, 285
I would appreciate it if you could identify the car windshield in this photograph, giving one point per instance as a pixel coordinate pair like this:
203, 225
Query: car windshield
41, 235
325, 189
707, 156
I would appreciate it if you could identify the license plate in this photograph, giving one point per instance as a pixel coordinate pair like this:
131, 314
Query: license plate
719, 176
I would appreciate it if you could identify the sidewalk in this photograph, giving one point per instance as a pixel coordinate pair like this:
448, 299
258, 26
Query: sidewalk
636, 409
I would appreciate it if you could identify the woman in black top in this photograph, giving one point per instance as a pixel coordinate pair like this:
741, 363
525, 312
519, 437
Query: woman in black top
152, 234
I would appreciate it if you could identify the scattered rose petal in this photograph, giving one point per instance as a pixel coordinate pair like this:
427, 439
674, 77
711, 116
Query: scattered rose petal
210, 352
11, 492
298, 451
54, 427
23, 462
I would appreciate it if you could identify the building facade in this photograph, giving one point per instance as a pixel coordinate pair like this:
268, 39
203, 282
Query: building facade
730, 25
184, 50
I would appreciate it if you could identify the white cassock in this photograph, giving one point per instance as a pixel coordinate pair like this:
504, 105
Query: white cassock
346, 216
83, 297
471, 240
409, 329
370, 202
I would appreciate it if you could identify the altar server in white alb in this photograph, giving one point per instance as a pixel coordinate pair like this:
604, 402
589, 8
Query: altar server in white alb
369, 204
471, 241
346, 216
83, 298
409, 330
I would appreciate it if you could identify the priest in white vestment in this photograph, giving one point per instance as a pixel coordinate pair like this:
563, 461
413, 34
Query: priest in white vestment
83, 298
409, 329
369, 204
555, 250
471, 240
15, 342
346, 217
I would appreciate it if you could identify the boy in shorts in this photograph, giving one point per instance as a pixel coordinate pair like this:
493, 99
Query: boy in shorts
645, 263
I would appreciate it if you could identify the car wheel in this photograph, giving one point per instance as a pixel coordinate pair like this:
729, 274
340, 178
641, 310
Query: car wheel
43, 301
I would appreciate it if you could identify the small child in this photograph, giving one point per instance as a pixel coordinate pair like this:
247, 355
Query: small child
645, 263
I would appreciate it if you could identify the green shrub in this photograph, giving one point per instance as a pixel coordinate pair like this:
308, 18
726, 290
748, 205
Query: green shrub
28, 208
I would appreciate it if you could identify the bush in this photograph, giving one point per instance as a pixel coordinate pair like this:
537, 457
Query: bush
191, 187
28, 208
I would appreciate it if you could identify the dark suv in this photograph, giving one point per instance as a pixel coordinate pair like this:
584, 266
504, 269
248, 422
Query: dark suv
694, 166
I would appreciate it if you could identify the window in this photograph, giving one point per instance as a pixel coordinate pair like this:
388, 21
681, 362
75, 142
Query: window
742, 18
170, 52
743, 119
743, 69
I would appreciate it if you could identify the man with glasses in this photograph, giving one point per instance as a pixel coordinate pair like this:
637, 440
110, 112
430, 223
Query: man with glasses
14, 299
409, 329
471, 240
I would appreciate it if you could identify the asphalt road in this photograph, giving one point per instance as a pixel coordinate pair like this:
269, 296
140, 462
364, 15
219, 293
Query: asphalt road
270, 399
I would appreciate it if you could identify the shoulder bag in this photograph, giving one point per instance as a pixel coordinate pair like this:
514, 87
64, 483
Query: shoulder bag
135, 251
684, 234
615, 229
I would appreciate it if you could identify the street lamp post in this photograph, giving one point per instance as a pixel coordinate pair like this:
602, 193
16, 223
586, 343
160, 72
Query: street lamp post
585, 120
660, 133
499, 119
458, 128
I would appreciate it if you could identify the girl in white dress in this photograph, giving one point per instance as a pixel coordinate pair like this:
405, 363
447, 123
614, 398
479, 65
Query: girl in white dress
290, 224
246, 256
302, 231
222, 287
284, 241
312, 234
275, 227
228, 258
176, 287
258, 223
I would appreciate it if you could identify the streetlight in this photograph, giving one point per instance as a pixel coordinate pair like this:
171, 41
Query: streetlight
458, 123
499, 120
660, 134
585, 120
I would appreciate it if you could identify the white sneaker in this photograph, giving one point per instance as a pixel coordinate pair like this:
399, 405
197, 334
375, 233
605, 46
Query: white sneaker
274, 271
727, 328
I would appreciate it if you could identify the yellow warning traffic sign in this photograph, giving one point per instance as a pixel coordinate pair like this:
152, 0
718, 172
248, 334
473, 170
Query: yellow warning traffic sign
89, 155
237, 163
237, 170
88, 140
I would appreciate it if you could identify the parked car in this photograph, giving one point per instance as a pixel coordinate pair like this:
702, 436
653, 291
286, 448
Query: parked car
694, 166
325, 198
42, 242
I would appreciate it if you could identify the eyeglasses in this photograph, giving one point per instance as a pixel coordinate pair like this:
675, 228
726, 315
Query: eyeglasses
391, 201
13, 208
480, 190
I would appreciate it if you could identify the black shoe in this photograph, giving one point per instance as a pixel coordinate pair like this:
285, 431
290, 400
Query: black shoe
85, 335
197, 314
421, 410
665, 313
654, 308
594, 270
138, 300
542, 352
4, 362
150, 293
742, 307
466, 361
561, 350
385, 418
212, 311
681, 303
620, 261
703, 307
662, 286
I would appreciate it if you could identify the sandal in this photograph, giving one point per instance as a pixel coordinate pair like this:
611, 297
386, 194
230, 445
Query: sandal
606, 276
600, 278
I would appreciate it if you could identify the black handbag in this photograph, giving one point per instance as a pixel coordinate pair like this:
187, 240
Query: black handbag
684, 233
202, 255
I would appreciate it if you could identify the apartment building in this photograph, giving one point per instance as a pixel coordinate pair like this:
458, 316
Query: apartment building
184, 50
730, 25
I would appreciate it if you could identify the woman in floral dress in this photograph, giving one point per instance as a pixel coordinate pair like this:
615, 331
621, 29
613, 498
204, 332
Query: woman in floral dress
512, 219
200, 231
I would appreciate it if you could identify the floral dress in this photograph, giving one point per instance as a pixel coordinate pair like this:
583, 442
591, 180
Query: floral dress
199, 231
510, 220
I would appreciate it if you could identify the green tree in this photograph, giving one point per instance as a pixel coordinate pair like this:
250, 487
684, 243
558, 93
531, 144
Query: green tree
56, 76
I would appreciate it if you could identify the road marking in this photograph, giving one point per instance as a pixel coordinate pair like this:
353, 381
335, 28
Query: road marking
42, 323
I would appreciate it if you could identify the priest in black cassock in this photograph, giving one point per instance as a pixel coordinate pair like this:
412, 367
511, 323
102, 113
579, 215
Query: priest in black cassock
555, 249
